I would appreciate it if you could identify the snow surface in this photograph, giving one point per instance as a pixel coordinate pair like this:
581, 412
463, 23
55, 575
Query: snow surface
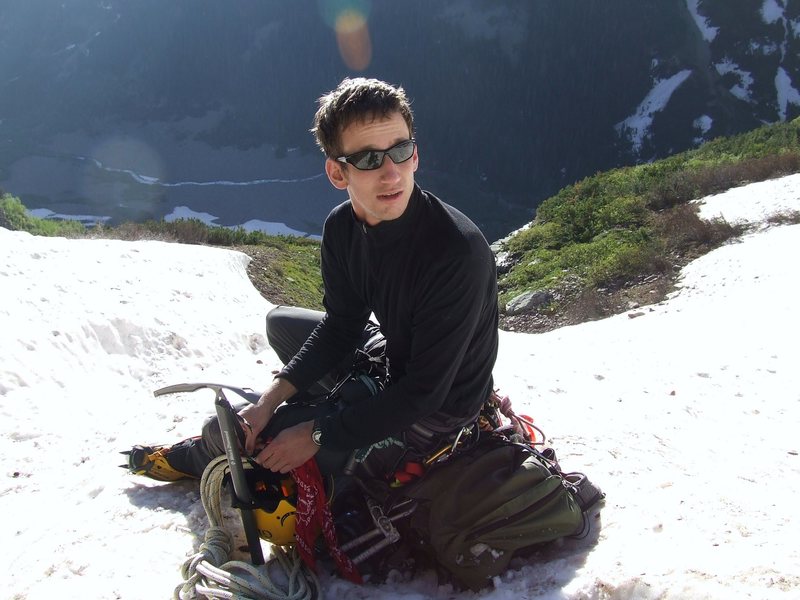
685, 412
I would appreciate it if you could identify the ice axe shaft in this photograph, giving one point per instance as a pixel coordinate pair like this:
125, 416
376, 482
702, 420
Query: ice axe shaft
227, 426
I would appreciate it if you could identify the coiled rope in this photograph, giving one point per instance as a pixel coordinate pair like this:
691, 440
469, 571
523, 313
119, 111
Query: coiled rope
209, 573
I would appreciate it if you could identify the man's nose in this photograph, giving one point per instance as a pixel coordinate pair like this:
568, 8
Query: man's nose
389, 170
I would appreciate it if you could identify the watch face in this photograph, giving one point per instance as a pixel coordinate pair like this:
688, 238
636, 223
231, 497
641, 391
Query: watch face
316, 437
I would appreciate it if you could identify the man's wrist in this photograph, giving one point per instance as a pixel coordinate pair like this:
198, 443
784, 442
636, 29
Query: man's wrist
279, 391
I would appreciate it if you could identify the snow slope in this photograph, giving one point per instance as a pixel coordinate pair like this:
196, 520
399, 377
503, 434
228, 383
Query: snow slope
685, 412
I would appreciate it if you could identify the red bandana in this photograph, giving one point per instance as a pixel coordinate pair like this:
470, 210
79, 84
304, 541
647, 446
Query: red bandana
313, 515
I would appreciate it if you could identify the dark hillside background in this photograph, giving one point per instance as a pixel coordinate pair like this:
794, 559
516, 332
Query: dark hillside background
129, 109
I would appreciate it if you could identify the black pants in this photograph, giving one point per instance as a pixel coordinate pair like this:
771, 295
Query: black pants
287, 330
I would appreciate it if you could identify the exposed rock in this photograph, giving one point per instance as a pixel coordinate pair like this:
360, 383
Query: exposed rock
529, 301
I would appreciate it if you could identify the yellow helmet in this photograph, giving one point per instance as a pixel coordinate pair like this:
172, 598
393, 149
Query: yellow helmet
275, 496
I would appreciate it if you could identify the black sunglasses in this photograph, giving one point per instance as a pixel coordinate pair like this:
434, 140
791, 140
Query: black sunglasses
367, 160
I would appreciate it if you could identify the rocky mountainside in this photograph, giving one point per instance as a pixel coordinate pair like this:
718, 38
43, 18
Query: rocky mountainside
134, 110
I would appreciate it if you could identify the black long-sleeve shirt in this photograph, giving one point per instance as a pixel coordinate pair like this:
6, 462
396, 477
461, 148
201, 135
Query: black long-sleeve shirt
429, 277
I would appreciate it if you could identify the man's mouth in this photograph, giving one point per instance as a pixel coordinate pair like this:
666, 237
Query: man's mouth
390, 196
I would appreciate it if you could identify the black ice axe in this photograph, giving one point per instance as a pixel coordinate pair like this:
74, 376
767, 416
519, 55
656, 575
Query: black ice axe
227, 424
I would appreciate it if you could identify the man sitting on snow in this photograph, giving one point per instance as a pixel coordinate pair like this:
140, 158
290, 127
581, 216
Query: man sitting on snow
393, 250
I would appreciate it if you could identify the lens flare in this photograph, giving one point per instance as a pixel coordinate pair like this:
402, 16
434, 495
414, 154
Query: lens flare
352, 36
349, 21
124, 168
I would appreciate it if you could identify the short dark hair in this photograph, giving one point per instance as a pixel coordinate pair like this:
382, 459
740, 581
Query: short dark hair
353, 100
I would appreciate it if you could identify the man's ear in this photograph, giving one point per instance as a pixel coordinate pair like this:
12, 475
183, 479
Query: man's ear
336, 173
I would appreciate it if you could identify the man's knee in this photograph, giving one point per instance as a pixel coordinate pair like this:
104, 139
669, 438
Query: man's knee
288, 327
274, 316
276, 323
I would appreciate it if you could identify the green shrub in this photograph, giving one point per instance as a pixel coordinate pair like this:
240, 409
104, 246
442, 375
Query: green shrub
702, 180
549, 236
14, 216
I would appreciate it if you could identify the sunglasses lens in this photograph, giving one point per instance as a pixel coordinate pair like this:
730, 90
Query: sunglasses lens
402, 152
367, 160
373, 159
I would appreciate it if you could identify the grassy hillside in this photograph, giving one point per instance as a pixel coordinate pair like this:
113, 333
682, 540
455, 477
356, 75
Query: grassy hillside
633, 226
603, 245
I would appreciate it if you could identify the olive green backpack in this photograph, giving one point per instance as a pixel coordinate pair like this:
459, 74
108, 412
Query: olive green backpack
481, 507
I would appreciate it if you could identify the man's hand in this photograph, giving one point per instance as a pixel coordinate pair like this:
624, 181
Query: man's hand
256, 416
291, 448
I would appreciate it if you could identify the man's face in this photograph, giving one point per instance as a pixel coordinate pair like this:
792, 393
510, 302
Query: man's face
381, 194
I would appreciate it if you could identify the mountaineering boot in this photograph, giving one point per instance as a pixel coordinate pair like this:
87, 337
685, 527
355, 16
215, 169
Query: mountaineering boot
152, 461
586, 493
591, 500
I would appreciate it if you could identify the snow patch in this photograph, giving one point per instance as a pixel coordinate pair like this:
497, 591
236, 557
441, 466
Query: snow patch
88, 220
742, 89
786, 92
754, 203
268, 227
273, 228
703, 124
772, 11
636, 128
707, 31
184, 212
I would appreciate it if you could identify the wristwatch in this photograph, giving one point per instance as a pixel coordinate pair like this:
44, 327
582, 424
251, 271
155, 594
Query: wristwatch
316, 434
